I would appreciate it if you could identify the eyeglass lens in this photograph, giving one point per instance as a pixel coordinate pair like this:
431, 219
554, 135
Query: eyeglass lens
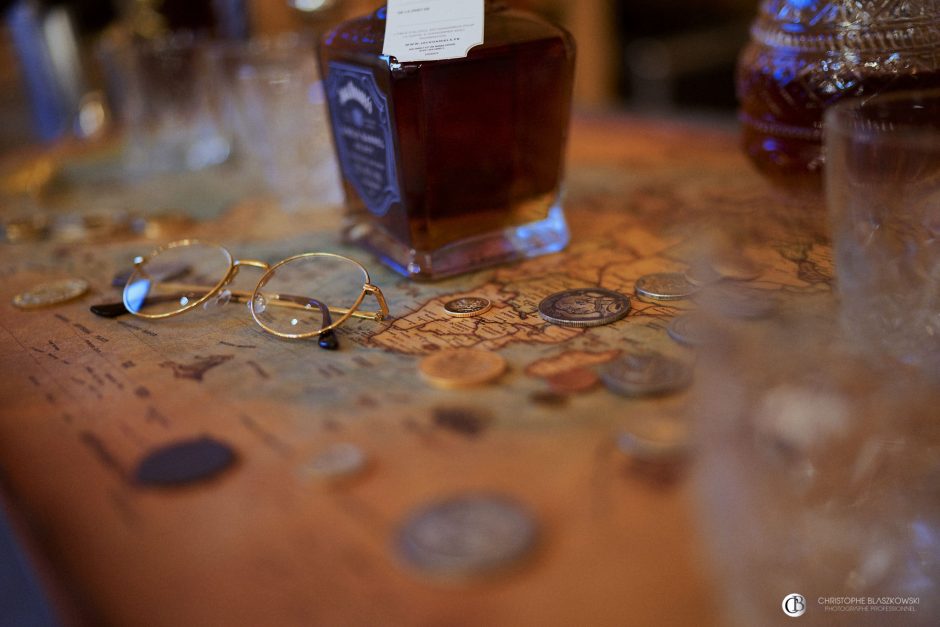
201, 268
307, 294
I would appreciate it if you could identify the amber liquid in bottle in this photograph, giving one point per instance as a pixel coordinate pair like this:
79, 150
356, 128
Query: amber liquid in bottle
783, 120
478, 145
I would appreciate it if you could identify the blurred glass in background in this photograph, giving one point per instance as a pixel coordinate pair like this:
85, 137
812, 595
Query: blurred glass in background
817, 473
275, 102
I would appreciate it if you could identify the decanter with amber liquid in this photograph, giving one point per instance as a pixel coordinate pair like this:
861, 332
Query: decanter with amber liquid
805, 55
452, 165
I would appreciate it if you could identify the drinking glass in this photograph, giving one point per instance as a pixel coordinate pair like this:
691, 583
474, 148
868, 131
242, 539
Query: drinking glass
883, 192
816, 474
171, 120
274, 99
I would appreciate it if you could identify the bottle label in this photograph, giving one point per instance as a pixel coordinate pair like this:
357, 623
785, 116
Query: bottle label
432, 30
362, 129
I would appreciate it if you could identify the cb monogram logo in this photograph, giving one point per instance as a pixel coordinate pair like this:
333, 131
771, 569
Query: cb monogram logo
794, 605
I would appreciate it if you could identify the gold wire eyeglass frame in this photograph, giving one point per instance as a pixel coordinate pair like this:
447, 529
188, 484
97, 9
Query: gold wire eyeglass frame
234, 265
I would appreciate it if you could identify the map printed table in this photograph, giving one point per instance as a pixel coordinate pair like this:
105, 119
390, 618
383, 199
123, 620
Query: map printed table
84, 399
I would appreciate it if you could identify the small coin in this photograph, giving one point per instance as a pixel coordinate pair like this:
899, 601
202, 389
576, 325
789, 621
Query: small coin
461, 367
701, 274
584, 307
574, 381
737, 268
467, 306
25, 229
183, 462
163, 226
338, 461
723, 268
652, 450
736, 301
668, 443
646, 374
691, 329
467, 535
52, 293
664, 286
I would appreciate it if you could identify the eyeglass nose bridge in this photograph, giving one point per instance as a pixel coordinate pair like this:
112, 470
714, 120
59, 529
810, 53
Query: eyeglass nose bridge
251, 263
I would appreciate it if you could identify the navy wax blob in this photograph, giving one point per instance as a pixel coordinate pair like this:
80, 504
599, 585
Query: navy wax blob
183, 462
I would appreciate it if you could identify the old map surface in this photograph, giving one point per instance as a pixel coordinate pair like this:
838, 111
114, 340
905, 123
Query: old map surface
84, 398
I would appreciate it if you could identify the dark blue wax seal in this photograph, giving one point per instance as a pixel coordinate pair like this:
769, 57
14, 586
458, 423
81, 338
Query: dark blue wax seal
183, 462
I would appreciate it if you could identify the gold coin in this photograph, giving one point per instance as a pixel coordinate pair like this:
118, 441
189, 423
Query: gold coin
52, 293
461, 368
467, 307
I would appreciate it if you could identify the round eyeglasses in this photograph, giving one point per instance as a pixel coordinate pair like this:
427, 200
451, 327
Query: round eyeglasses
303, 296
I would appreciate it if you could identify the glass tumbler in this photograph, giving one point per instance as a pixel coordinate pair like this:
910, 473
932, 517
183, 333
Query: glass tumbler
274, 100
816, 475
883, 192
171, 119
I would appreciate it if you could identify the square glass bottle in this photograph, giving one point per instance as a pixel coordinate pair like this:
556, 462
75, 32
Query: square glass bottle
452, 165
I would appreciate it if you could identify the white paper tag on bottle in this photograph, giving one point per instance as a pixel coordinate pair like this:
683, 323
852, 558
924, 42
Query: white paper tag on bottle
432, 30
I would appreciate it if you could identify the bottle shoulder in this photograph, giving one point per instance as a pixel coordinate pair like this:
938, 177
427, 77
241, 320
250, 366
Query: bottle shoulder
502, 27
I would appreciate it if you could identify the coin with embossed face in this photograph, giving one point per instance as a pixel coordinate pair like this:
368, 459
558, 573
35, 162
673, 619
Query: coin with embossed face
467, 306
467, 535
664, 286
52, 293
461, 367
646, 374
584, 307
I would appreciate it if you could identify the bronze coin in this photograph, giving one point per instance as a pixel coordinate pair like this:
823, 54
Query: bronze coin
574, 381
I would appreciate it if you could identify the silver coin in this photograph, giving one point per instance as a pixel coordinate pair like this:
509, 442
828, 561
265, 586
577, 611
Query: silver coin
51, 293
646, 374
467, 535
584, 307
691, 329
664, 286
467, 306
337, 461
736, 301
702, 274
